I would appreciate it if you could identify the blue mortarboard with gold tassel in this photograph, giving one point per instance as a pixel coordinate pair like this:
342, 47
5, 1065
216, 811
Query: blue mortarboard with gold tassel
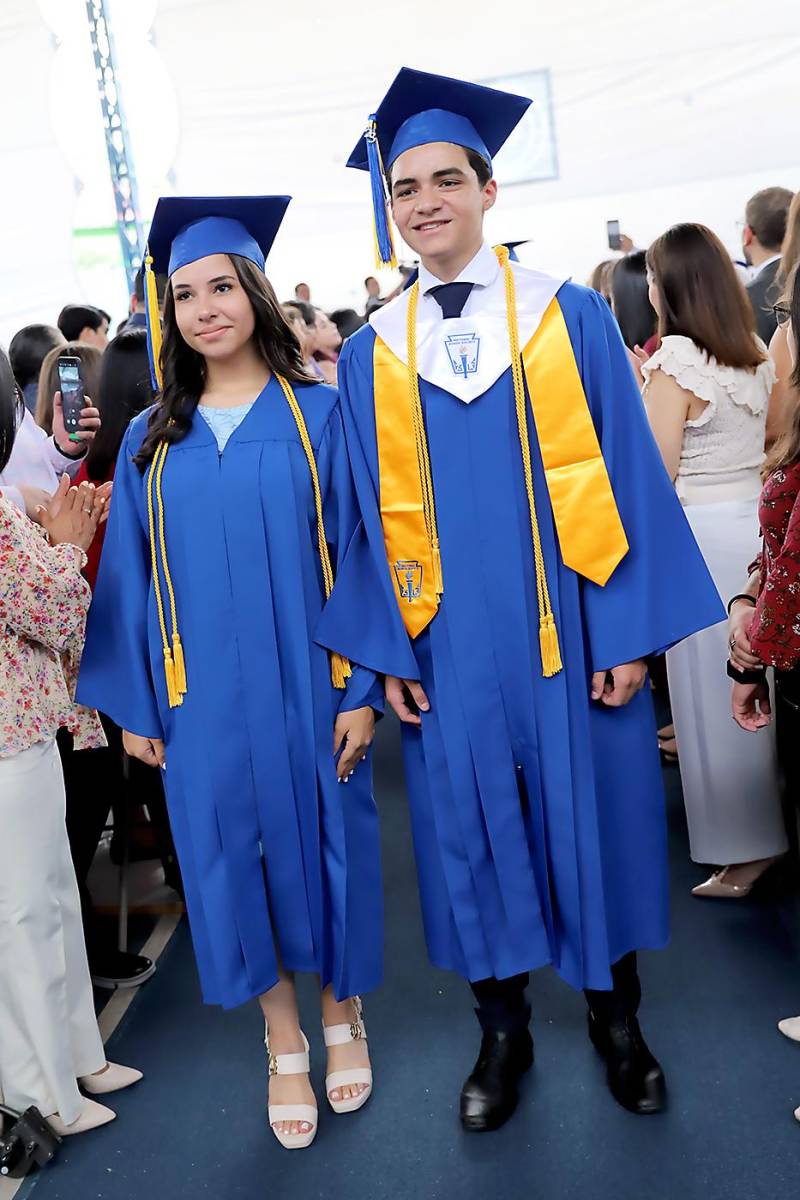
187, 228
184, 230
420, 108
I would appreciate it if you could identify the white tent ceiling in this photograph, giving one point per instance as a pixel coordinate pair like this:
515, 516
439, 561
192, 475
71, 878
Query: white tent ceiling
663, 111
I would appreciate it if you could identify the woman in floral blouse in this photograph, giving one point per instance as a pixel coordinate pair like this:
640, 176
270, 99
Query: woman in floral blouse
764, 628
49, 1040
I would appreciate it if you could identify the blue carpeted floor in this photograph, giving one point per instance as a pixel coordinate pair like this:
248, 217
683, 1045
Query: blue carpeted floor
197, 1127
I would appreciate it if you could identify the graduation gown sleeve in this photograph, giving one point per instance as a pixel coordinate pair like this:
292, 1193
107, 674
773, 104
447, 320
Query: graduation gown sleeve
115, 670
361, 618
662, 591
342, 524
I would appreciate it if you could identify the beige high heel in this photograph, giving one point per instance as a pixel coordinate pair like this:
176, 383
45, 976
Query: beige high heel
291, 1064
715, 888
340, 1035
790, 1028
92, 1116
113, 1079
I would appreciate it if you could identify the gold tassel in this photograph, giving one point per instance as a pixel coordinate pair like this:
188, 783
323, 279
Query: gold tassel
548, 644
153, 318
438, 578
340, 666
180, 665
340, 670
173, 697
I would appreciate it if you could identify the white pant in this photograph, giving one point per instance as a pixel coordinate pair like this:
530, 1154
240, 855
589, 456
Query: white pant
48, 1029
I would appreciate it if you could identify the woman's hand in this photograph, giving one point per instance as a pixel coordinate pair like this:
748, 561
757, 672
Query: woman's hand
626, 680
356, 730
739, 623
398, 692
751, 706
147, 750
33, 498
72, 514
74, 445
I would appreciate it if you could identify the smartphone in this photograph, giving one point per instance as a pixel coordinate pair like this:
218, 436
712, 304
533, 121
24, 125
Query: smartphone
72, 398
614, 241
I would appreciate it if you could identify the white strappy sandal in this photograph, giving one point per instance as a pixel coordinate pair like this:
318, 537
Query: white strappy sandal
339, 1035
291, 1064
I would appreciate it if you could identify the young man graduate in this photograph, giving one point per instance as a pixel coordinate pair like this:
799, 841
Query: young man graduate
537, 553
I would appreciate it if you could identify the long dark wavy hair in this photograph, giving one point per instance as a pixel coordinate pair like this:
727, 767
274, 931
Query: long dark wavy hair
786, 449
701, 296
123, 393
11, 409
184, 370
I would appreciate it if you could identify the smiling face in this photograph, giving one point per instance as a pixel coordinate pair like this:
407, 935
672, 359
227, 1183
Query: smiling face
438, 203
212, 310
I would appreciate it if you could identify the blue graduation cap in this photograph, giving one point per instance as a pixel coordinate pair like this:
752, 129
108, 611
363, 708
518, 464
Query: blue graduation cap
512, 248
186, 228
420, 108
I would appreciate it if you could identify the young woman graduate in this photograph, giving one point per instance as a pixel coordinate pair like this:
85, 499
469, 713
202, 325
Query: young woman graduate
233, 506
537, 554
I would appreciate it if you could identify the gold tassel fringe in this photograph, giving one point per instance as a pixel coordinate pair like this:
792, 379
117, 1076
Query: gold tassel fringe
548, 644
180, 665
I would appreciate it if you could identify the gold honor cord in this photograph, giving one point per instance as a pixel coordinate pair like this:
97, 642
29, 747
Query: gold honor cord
548, 634
174, 665
174, 668
340, 666
421, 440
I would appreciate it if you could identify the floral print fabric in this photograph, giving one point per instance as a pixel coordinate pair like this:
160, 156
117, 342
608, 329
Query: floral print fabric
43, 604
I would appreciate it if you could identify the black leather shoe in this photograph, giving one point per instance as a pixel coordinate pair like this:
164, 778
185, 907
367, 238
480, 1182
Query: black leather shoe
635, 1078
112, 969
490, 1095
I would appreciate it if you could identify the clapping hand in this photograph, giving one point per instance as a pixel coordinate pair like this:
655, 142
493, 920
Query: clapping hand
73, 513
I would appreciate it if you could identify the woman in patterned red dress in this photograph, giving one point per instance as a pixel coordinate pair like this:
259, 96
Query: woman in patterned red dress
764, 627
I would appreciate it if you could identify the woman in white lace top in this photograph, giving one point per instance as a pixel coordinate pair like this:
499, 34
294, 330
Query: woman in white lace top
707, 390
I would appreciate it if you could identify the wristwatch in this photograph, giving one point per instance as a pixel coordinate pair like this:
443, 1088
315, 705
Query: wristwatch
754, 675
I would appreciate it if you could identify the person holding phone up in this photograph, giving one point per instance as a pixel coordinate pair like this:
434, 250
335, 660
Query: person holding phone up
49, 1040
37, 462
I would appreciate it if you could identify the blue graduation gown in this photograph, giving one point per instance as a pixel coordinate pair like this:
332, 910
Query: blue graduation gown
274, 853
537, 815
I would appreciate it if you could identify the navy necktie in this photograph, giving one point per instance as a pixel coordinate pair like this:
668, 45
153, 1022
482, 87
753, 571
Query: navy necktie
451, 297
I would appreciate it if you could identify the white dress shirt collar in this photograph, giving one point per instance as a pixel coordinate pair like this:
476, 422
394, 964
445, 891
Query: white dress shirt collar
766, 263
481, 271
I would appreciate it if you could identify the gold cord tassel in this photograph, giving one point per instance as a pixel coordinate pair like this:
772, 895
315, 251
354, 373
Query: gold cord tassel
340, 670
180, 665
174, 665
548, 633
548, 644
340, 666
173, 696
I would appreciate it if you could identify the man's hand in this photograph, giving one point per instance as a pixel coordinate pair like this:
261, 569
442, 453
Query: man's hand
33, 498
739, 643
751, 706
618, 686
399, 692
74, 445
356, 730
147, 750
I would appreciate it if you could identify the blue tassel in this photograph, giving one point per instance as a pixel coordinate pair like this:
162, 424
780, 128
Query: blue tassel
384, 246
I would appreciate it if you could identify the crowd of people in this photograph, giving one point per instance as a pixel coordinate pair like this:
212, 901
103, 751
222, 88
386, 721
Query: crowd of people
304, 560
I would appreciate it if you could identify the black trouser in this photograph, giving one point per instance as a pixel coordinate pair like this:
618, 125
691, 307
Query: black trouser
787, 731
503, 1005
95, 782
